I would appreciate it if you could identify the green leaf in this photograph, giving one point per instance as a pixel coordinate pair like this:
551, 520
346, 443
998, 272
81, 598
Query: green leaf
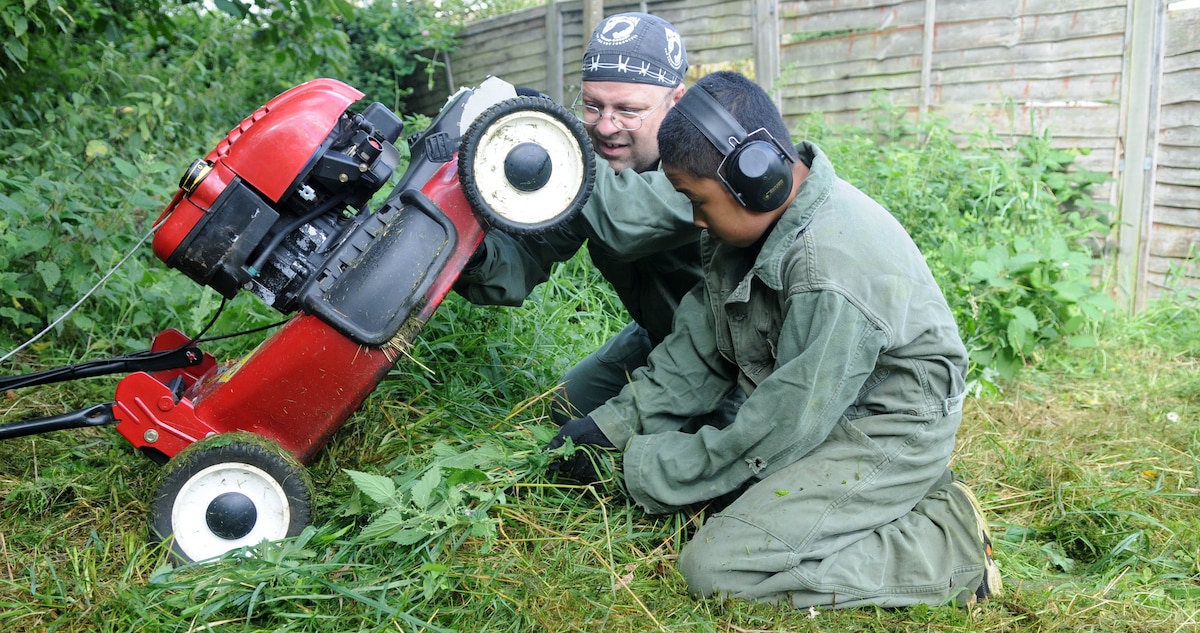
232, 7
385, 525
409, 536
983, 269
1023, 262
460, 476
83, 321
543, 434
33, 240
96, 149
16, 316
1018, 336
1070, 291
50, 272
9, 206
127, 169
1025, 317
422, 490
1074, 324
380, 489
1101, 301
482, 456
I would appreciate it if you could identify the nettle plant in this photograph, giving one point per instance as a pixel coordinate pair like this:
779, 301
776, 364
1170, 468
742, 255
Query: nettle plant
451, 492
1006, 229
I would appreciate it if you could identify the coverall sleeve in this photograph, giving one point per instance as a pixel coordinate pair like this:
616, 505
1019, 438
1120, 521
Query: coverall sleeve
628, 216
511, 266
826, 350
633, 215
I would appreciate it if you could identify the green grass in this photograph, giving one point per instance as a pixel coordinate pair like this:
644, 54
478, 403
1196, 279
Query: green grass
1086, 462
1087, 466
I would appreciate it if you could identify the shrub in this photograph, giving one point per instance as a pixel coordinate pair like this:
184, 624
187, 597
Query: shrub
1005, 229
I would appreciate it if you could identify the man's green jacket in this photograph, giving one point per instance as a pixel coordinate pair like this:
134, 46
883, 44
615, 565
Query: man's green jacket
640, 236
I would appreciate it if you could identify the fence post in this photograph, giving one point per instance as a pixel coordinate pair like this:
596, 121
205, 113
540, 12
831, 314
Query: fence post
927, 37
593, 12
1143, 82
766, 45
554, 51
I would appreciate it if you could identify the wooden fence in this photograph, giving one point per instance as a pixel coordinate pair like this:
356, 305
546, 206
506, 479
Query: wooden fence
1119, 79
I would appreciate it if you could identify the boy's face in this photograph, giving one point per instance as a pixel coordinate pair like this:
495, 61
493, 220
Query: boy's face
636, 105
714, 208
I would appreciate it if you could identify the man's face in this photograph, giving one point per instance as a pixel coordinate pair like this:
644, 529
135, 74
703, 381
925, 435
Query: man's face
624, 148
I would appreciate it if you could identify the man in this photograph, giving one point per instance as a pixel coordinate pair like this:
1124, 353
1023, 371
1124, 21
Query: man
637, 228
818, 304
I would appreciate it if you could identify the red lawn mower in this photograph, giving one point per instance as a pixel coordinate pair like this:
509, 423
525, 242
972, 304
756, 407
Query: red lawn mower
280, 209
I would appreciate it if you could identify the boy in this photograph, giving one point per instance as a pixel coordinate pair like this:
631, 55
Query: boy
818, 305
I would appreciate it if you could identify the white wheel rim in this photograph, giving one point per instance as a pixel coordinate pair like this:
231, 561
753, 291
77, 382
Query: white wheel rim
528, 207
192, 534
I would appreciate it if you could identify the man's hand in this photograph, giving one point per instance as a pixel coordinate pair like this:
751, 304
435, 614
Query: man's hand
583, 433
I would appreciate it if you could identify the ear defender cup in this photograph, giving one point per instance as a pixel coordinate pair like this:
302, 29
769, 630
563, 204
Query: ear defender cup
757, 172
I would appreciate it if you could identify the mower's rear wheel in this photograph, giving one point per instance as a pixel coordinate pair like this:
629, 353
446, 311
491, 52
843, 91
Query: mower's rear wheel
229, 491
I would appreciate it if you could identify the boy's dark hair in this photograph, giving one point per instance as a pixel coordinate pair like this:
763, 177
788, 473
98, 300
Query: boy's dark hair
683, 147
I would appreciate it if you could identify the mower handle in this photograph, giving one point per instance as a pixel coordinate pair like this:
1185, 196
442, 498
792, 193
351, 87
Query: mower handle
149, 362
95, 415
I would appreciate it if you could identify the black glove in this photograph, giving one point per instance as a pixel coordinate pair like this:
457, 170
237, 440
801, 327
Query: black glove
523, 91
476, 258
578, 466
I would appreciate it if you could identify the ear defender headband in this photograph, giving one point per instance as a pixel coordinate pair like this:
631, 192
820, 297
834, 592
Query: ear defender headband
757, 172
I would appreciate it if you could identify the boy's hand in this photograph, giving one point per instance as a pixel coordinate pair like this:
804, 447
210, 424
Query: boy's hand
578, 466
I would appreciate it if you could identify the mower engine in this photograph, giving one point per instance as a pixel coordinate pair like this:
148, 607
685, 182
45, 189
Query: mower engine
263, 210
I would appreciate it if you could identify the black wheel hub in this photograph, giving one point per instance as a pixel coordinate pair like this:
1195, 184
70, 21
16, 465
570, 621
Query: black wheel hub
527, 167
231, 515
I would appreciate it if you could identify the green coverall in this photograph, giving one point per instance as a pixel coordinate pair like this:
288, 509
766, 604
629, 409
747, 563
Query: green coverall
855, 373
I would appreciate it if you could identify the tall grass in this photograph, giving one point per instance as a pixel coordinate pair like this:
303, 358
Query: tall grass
1087, 467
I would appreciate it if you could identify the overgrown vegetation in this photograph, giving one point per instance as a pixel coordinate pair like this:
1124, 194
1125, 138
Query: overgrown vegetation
434, 511
1005, 229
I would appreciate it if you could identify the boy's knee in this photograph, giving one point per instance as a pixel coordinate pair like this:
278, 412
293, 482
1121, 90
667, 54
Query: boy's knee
712, 568
698, 570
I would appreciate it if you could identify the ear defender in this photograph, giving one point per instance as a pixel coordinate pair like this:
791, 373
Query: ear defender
757, 172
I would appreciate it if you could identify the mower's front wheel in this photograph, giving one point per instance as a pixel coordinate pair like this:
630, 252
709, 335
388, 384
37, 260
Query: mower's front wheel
229, 491
526, 165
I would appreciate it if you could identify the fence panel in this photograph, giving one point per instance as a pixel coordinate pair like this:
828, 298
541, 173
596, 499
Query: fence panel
1019, 67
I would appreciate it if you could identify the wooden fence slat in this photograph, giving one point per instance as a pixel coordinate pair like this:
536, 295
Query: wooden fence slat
1179, 175
1174, 241
851, 18
1074, 48
1064, 70
1178, 217
1170, 195
1181, 86
1183, 157
1183, 31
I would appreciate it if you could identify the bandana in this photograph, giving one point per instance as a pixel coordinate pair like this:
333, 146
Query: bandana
635, 48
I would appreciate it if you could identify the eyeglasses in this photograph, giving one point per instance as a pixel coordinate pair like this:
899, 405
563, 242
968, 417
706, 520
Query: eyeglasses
626, 120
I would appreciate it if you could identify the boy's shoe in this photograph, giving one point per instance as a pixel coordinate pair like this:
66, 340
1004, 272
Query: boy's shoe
991, 585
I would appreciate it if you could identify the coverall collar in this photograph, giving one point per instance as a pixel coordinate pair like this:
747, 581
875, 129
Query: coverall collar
813, 193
